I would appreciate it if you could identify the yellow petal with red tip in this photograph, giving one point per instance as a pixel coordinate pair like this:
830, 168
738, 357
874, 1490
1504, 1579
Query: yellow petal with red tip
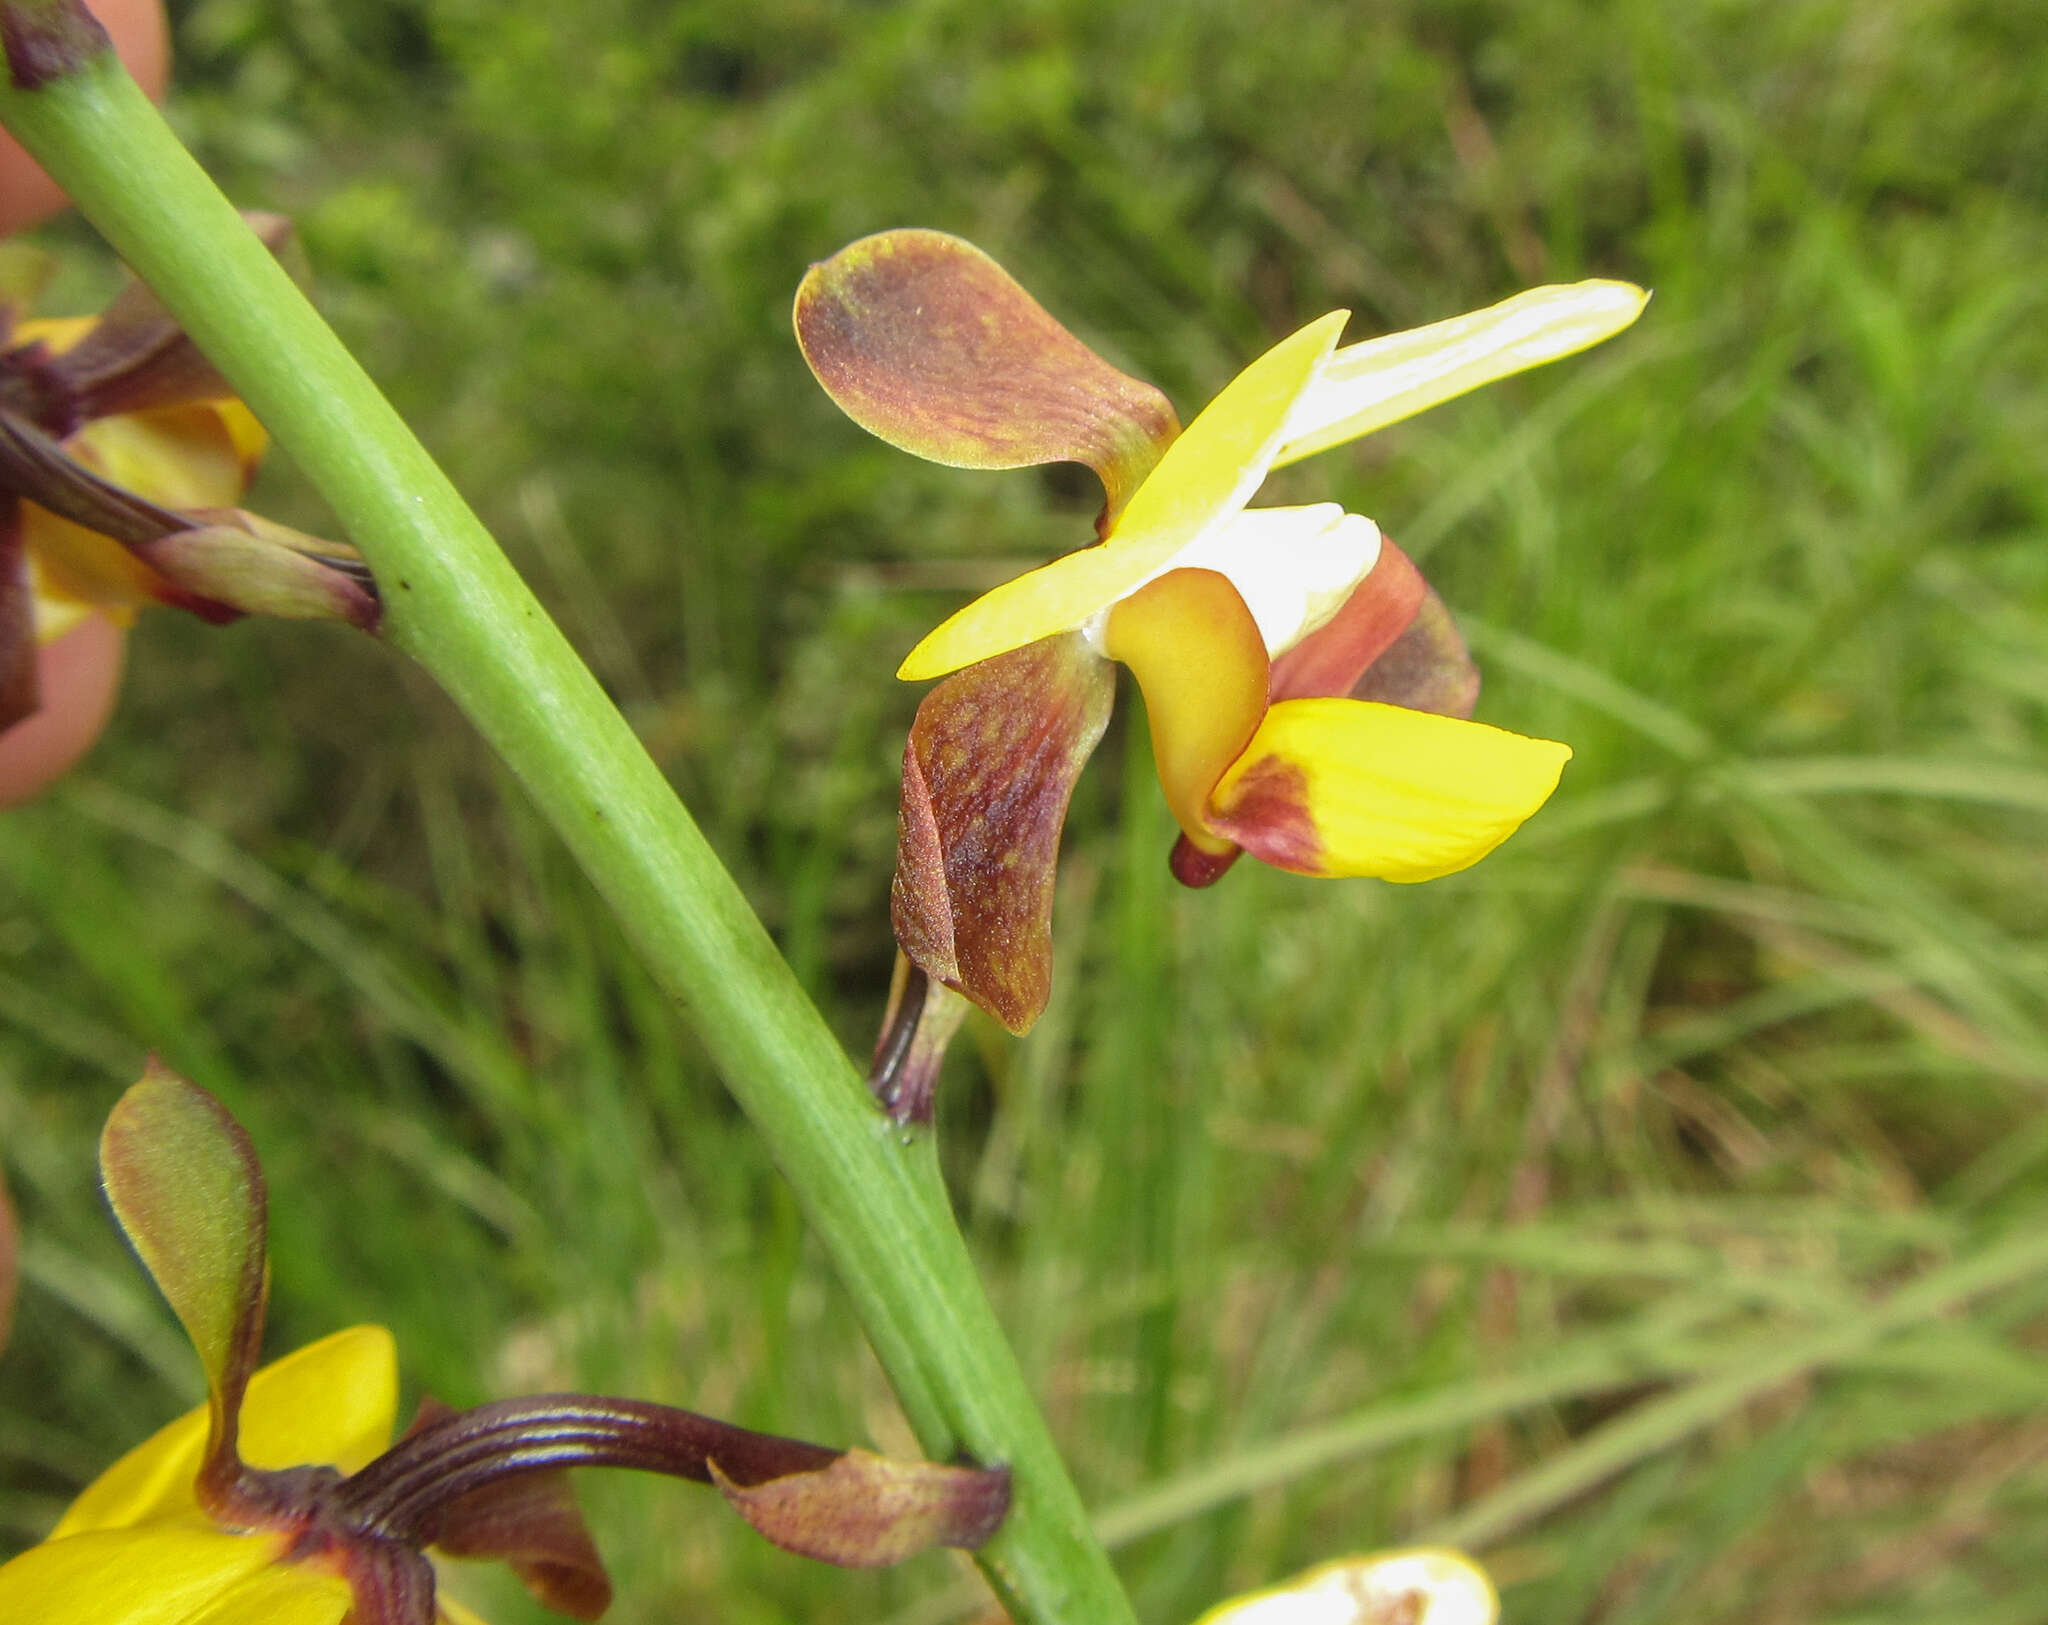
1207, 475
331, 1402
1201, 663
170, 1574
1423, 1586
1351, 787
1368, 386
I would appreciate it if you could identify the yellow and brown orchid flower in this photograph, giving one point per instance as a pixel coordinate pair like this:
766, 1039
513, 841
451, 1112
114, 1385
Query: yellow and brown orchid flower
1307, 692
122, 456
284, 1500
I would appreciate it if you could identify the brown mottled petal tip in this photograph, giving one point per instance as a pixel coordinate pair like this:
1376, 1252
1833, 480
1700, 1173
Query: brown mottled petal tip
924, 340
988, 772
866, 1511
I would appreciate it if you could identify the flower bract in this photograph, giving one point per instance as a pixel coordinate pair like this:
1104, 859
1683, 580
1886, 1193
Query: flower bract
1307, 693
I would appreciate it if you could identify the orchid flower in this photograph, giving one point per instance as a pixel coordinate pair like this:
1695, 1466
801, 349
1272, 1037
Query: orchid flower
1419, 1586
122, 456
284, 1501
1307, 693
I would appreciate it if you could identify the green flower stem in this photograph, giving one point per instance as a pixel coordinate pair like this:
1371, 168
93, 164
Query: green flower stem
456, 606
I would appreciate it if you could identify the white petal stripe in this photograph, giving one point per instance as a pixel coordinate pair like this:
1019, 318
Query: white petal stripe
1366, 386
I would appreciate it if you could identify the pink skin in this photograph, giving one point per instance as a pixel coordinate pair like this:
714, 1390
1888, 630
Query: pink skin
81, 671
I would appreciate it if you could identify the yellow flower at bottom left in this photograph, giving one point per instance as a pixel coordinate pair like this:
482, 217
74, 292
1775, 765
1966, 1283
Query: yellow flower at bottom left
136, 1549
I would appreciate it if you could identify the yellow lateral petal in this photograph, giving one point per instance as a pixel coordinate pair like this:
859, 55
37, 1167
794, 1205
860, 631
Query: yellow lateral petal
284, 1595
1201, 663
1207, 475
168, 1574
196, 456
331, 1402
1367, 386
74, 570
1421, 1586
58, 332
1351, 787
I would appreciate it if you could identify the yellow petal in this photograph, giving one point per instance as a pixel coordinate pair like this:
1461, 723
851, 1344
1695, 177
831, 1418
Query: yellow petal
1206, 476
75, 571
1367, 386
1352, 787
196, 456
58, 332
168, 1574
1201, 663
1423, 1586
283, 1595
331, 1402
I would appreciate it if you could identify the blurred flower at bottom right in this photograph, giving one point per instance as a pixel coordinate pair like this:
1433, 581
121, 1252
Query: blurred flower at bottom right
1417, 1586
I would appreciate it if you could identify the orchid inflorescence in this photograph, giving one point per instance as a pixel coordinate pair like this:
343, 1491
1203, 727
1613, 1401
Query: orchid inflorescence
1307, 692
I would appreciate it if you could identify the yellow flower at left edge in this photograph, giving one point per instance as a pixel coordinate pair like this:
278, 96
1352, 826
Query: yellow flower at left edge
228, 1515
135, 1548
123, 457
197, 454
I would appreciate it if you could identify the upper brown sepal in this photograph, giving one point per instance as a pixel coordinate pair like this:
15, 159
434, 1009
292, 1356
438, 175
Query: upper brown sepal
924, 340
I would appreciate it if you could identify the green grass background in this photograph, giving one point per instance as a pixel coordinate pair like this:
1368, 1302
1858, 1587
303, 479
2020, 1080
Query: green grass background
1658, 1208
